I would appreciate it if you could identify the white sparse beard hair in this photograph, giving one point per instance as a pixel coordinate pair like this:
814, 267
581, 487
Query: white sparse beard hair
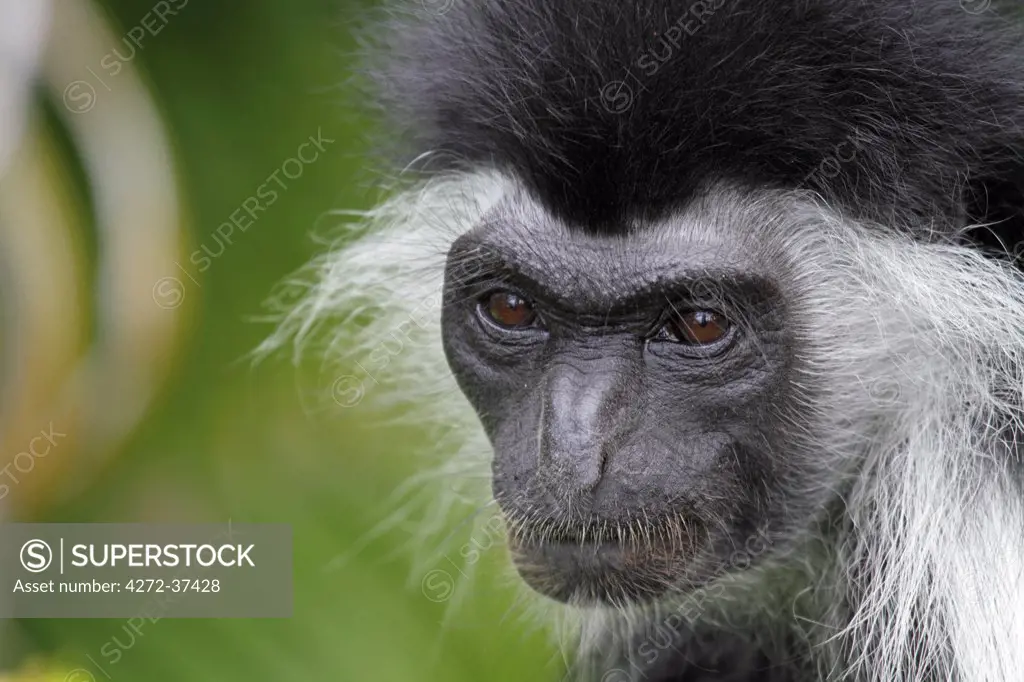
916, 354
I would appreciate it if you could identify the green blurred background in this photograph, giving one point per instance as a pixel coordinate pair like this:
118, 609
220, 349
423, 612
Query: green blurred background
166, 419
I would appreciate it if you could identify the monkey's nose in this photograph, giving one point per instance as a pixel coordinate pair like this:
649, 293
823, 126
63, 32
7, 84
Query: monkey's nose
585, 410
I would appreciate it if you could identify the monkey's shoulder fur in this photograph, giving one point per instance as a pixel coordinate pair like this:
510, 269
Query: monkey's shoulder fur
708, 656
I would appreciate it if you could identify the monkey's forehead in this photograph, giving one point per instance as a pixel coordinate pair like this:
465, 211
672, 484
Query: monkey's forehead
728, 235
610, 109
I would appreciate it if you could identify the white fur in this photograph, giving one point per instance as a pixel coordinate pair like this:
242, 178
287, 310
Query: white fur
911, 348
369, 307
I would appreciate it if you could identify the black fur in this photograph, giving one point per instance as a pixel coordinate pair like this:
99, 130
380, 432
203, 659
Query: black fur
720, 656
897, 110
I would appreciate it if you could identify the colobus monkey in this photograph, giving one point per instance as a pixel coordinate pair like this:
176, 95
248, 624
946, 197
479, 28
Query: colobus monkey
724, 297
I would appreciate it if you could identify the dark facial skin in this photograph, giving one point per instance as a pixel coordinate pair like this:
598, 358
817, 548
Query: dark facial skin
631, 390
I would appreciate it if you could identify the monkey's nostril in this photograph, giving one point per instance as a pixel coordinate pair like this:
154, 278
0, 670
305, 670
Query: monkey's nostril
573, 475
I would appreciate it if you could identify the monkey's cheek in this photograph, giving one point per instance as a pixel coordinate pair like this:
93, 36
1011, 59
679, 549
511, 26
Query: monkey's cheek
601, 573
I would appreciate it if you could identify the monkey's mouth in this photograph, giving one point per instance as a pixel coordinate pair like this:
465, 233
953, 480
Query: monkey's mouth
596, 568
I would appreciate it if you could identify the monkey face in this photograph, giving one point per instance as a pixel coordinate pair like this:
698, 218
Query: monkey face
632, 390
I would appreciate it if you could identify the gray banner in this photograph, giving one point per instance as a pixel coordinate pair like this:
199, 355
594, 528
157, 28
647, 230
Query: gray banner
136, 570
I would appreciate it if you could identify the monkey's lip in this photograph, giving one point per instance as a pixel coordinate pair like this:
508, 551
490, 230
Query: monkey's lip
601, 571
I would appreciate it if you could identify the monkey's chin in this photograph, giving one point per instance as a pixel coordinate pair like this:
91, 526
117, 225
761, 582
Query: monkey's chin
603, 573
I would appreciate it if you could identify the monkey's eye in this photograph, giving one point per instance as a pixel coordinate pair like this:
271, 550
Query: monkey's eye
508, 310
695, 328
